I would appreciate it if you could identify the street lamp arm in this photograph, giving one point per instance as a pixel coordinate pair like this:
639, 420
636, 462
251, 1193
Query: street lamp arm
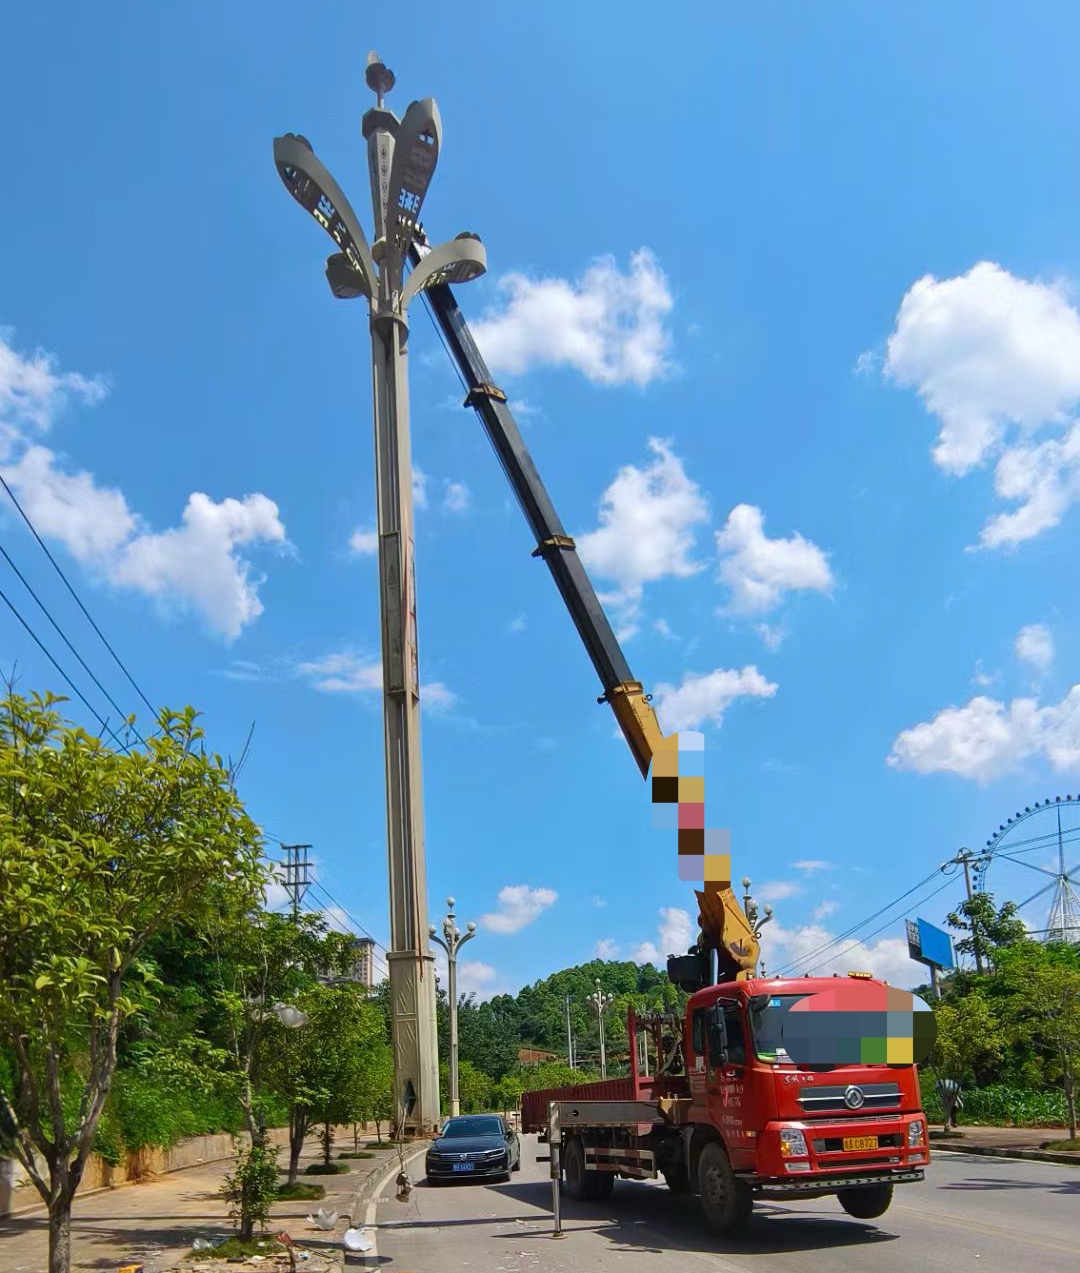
439, 941
466, 936
416, 152
459, 261
316, 191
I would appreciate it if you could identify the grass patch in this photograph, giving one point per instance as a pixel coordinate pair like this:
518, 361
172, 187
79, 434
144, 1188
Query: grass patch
321, 1169
1061, 1144
234, 1249
301, 1192
359, 1154
383, 1144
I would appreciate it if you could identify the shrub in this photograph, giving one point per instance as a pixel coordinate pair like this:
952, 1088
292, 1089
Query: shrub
321, 1169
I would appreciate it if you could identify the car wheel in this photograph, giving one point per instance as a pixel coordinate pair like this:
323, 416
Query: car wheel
866, 1203
725, 1199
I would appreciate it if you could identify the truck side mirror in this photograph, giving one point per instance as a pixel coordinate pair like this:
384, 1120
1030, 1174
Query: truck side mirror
718, 1041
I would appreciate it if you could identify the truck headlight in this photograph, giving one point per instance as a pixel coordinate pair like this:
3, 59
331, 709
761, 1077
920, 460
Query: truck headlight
792, 1143
915, 1133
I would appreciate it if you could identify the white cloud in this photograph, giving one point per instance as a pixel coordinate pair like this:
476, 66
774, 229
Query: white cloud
887, 958
457, 497
997, 358
664, 628
607, 949
986, 738
419, 488
199, 565
824, 909
776, 890
436, 697
1045, 478
1035, 645
980, 676
646, 531
812, 864
759, 570
599, 901
702, 698
609, 325
474, 977
365, 543
343, 673
675, 935
34, 392
771, 635
517, 625
519, 906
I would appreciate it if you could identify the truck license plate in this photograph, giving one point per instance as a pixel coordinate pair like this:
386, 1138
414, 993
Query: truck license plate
860, 1142
468, 1166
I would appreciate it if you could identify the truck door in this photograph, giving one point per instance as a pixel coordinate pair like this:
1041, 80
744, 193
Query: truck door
726, 1085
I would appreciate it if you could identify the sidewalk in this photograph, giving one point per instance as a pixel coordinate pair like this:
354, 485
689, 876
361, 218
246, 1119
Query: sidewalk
1006, 1142
155, 1224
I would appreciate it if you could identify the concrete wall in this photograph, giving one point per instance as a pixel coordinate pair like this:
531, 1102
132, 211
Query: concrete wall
17, 1192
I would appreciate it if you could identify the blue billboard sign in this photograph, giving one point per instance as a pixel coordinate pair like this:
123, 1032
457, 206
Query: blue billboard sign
935, 945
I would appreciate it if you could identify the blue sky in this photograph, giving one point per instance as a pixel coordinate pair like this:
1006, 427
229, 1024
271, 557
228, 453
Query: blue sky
787, 301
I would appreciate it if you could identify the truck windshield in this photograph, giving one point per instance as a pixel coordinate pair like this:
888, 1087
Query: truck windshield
766, 1023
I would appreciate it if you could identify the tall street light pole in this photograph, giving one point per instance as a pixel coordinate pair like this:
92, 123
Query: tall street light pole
402, 155
601, 1002
451, 941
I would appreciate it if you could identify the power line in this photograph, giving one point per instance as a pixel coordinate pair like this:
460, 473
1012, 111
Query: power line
78, 599
834, 941
351, 918
63, 637
887, 924
75, 689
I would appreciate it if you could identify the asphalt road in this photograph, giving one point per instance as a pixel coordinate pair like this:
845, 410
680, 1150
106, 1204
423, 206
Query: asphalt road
988, 1214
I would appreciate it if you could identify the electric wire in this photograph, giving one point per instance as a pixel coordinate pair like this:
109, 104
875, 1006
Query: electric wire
63, 637
849, 932
351, 918
869, 936
78, 600
101, 720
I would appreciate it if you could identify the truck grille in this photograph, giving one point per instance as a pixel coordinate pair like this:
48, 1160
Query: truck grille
820, 1100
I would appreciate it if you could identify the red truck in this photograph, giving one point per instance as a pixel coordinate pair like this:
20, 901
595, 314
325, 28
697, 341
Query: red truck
731, 1118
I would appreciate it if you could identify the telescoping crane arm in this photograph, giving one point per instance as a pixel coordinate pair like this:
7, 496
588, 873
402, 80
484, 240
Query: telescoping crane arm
725, 926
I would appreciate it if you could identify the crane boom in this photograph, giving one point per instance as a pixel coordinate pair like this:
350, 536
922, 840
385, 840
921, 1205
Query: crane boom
725, 926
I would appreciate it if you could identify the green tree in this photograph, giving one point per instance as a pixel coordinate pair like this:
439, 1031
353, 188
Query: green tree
100, 849
967, 1033
989, 928
1044, 1011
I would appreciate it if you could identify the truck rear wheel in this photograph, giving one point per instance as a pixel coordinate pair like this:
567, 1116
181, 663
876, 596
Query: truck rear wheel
725, 1199
866, 1203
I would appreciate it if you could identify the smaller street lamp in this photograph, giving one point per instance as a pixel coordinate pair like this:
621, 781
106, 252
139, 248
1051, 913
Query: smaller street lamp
451, 941
601, 1002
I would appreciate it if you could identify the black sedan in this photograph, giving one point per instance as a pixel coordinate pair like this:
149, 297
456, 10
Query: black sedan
474, 1147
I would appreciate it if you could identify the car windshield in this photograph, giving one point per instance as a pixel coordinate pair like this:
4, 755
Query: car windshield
473, 1127
766, 1022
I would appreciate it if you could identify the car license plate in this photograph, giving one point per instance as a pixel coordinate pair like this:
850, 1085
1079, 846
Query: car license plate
860, 1142
468, 1166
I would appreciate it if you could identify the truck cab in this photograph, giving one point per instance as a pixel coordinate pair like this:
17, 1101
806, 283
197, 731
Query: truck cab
791, 1130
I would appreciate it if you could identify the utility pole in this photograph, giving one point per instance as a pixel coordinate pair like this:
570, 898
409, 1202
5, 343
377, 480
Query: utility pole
964, 857
297, 874
569, 1037
451, 941
601, 1002
402, 154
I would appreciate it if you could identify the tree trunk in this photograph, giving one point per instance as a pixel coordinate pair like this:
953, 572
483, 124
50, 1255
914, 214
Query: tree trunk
1070, 1103
327, 1144
378, 1130
60, 1233
297, 1131
355, 1139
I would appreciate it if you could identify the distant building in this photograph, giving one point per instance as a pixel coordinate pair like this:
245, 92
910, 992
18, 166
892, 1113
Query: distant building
534, 1056
363, 968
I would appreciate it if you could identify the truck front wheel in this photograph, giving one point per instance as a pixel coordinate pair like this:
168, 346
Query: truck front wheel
725, 1199
866, 1203
676, 1177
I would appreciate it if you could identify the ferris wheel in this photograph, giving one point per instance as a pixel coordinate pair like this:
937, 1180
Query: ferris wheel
1040, 839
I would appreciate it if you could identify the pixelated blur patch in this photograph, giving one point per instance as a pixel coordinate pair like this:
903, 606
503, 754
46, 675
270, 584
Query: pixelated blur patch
859, 1023
678, 797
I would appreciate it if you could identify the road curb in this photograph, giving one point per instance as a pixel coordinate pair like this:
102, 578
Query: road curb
1031, 1155
363, 1205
